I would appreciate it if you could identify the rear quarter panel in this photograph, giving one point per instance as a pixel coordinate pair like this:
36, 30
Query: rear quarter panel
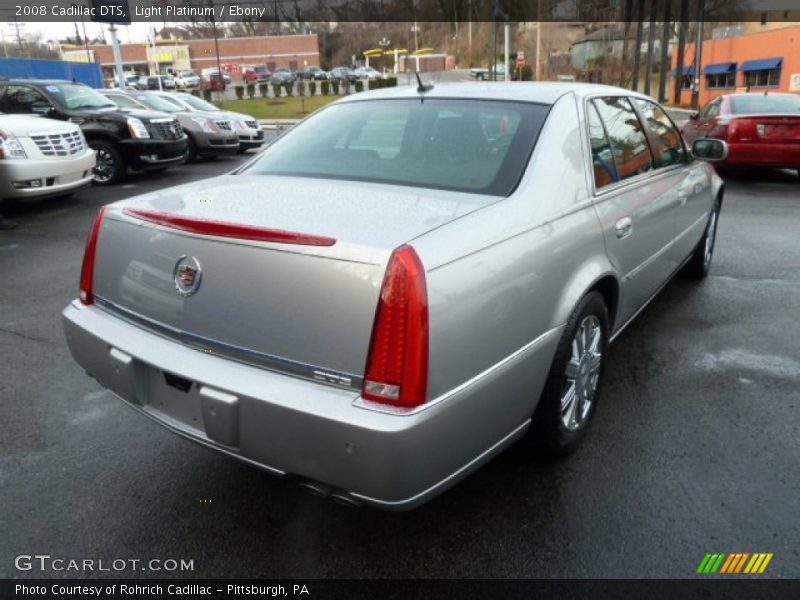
509, 275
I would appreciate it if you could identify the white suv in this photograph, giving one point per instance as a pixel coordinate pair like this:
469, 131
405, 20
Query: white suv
42, 157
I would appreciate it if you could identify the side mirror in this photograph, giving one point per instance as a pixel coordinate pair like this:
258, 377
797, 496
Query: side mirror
693, 116
42, 108
710, 149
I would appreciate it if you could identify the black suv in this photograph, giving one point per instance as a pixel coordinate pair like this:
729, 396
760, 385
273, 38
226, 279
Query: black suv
142, 140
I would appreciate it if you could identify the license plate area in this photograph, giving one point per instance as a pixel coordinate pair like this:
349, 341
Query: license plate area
174, 397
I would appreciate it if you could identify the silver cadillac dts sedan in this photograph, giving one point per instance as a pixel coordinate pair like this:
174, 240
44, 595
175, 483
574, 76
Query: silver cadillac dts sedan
400, 287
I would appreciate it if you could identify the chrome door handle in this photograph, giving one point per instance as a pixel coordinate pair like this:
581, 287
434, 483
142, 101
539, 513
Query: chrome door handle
624, 227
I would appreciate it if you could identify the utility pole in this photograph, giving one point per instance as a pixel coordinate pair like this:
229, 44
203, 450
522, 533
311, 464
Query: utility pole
537, 70
651, 40
117, 56
216, 49
628, 17
681, 47
637, 55
662, 72
698, 54
85, 41
506, 51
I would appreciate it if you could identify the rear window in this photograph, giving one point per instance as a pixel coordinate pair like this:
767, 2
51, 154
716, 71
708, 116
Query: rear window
765, 103
462, 145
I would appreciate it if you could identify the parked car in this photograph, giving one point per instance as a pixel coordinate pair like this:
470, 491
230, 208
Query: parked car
256, 74
187, 79
251, 136
760, 129
42, 157
312, 73
208, 135
482, 74
151, 82
341, 73
368, 73
282, 76
379, 315
212, 74
142, 140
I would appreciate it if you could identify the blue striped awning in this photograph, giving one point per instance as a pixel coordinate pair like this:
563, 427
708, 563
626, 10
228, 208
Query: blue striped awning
719, 68
686, 71
762, 64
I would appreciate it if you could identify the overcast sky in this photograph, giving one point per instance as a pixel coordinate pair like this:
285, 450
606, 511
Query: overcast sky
135, 32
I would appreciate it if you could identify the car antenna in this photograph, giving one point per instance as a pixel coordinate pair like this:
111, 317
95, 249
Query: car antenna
422, 88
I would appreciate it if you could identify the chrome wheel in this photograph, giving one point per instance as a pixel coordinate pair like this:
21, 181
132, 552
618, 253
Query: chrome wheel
582, 373
711, 234
105, 168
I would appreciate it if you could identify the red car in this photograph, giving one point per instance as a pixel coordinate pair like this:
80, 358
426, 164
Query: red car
761, 129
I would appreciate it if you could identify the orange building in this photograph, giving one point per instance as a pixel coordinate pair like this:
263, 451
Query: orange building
767, 61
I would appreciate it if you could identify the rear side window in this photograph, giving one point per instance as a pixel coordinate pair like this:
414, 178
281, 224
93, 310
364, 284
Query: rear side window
605, 171
668, 146
474, 146
626, 136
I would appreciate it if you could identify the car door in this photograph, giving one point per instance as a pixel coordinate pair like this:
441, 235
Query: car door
705, 121
690, 180
634, 202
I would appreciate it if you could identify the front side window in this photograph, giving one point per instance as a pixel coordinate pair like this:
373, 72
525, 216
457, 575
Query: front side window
21, 98
668, 146
626, 136
465, 145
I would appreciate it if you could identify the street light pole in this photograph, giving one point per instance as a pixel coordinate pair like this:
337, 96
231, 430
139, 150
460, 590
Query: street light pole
117, 56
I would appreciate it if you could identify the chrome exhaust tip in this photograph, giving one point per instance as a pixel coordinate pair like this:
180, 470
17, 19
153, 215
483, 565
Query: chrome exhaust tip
345, 499
316, 488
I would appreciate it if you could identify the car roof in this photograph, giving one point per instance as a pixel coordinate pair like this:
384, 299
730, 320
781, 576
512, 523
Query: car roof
34, 81
545, 92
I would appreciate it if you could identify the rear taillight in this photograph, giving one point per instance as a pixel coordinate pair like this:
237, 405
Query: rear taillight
87, 270
720, 131
397, 365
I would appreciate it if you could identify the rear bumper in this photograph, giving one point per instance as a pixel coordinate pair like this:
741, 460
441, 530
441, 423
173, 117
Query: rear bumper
57, 176
144, 155
290, 426
763, 154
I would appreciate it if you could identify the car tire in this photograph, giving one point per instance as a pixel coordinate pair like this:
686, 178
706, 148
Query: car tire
241, 150
111, 167
699, 264
572, 389
191, 150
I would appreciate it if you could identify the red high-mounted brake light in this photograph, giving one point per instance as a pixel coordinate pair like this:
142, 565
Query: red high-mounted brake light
397, 364
226, 229
87, 270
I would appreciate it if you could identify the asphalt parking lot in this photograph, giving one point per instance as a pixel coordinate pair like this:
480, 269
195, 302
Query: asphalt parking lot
694, 449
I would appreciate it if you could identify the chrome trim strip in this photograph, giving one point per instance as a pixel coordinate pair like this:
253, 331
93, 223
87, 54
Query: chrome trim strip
247, 356
517, 432
404, 412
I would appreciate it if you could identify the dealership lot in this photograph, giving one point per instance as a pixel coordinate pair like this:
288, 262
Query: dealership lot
694, 448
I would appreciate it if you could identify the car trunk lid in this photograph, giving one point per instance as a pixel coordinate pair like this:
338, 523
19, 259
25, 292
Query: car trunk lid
188, 263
